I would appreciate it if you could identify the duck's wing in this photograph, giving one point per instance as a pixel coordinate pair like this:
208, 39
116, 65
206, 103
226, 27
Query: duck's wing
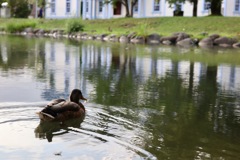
65, 106
49, 111
56, 102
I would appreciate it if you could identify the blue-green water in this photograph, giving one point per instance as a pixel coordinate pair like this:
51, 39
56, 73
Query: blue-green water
140, 105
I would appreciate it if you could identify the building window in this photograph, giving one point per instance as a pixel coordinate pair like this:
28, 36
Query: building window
100, 6
53, 6
87, 6
237, 6
68, 6
135, 8
156, 6
178, 6
206, 5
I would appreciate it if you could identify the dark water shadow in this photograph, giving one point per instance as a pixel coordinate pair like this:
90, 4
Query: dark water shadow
47, 130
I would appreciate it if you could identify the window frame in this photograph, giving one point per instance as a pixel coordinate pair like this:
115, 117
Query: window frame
206, 5
237, 6
100, 6
68, 6
156, 5
135, 8
87, 6
53, 6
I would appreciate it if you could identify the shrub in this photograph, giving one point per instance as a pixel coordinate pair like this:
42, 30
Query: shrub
142, 29
19, 8
74, 25
18, 27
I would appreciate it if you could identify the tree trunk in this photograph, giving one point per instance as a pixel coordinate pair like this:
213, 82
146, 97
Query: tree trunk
195, 5
127, 9
132, 5
216, 7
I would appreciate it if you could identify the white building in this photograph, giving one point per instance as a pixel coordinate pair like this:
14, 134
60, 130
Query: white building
4, 10
97, 9
231, 8
63, 9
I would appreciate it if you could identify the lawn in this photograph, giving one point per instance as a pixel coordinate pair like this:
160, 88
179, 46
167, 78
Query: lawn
225, 26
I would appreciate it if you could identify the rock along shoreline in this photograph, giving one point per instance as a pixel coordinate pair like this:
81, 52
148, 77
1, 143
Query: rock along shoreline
180, 39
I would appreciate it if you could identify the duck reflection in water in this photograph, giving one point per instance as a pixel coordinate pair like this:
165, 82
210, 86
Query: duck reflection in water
47, 130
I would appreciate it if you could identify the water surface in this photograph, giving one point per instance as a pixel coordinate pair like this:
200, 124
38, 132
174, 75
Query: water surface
141, 105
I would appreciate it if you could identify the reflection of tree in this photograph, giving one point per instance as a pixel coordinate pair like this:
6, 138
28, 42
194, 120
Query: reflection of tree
186, 126
40, 61
185, 123
18, 55
118, 84
207, 92
178, 118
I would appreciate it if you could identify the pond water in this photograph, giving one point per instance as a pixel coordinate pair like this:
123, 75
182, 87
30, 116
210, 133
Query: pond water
140, 105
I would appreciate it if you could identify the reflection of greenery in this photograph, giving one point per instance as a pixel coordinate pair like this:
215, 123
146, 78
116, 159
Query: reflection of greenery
211, 56
19, 54
117, 87
188, 117
180, 116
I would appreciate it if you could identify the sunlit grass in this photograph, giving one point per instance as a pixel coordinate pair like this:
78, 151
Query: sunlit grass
225, 26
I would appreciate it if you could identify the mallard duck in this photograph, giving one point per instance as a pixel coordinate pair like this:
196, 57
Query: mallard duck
61, 109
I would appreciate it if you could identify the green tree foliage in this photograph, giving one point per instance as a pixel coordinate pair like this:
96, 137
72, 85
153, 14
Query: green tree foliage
128, 6
1, 1
19, 8
41, 3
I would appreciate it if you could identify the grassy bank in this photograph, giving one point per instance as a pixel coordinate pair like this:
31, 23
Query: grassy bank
225, 26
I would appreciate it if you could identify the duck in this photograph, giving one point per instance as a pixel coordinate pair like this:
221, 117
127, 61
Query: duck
62, 110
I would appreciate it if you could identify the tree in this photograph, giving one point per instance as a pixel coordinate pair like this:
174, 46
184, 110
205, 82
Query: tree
215, 7
194, 2
128, 7
19, 8
195, 5
1, 1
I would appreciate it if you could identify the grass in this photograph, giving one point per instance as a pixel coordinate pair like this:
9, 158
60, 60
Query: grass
225, 26
18, 27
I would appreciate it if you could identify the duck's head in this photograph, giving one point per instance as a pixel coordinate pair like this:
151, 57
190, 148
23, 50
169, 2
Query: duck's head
76, 95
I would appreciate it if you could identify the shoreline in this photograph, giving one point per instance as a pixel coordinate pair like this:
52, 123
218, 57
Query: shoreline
180, 39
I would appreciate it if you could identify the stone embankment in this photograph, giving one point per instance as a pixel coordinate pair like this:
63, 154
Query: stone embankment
180, 39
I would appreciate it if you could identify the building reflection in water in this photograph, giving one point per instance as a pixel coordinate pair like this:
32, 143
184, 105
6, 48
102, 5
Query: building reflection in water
64, 66
67, 65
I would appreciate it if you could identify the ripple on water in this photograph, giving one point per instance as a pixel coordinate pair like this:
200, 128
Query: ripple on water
100, 136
